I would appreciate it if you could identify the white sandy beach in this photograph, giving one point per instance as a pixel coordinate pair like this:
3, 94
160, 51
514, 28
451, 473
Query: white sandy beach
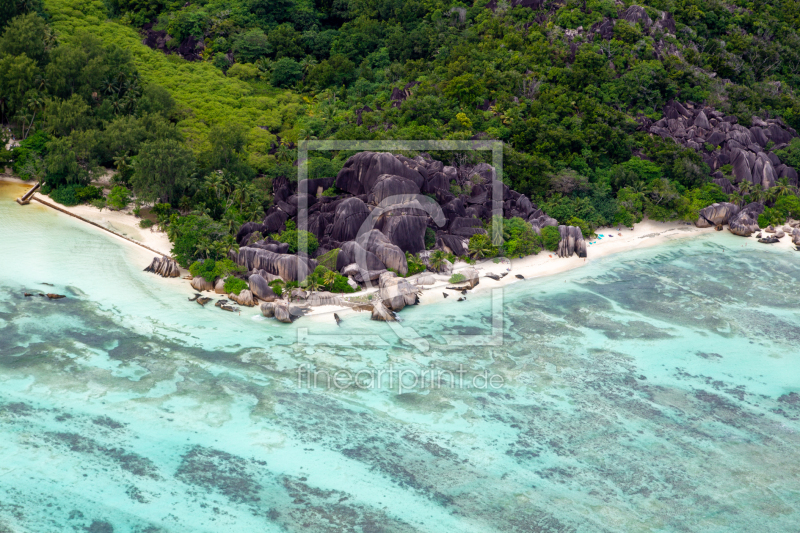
122, 223
645, 234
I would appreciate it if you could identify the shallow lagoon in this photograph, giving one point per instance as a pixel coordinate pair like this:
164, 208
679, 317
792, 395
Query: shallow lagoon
651, 391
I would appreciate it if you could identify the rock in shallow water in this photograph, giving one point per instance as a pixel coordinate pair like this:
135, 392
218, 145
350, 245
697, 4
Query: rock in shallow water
381, 313
396, 292
164, 267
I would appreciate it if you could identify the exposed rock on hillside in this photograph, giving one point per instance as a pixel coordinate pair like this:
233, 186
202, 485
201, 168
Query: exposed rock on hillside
749, 151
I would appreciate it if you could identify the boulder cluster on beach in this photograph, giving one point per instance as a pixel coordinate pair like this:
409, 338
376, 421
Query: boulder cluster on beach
743, 221
383, 206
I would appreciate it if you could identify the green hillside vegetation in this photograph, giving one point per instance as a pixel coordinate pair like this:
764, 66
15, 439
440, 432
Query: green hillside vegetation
203, 95
203, 136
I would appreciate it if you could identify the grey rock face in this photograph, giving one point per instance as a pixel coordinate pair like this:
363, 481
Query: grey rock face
260, 288
389, 254
288, 267
452, 244
745, 222
199, 283
360, 173
219, 286
388, 186
350, 215
698, 128
352, 252
716, 214
404, 226
396, 293
244, 298
164, 267
381, 313
281, 312
571, 242
725, 184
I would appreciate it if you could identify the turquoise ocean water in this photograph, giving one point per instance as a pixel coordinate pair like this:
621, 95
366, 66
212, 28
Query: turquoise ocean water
657, 390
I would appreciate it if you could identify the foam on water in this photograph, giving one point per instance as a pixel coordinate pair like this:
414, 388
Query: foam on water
651, 391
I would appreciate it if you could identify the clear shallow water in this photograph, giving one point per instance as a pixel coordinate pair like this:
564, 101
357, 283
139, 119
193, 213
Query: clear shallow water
651, 391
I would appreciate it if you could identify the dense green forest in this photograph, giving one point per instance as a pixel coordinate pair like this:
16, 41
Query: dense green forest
199, 104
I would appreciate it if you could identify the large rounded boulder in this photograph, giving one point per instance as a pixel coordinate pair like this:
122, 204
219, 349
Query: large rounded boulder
396, 293
745, 222
199, 283
404, 225
352, 252
259, 287
350, 215
288, 267
360, 173
716, 214
571, 242
388, 253
396, 188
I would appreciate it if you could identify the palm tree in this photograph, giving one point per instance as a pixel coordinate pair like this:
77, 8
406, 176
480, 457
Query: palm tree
736, 198
109, 86
329, 279
264, 65
744, 189
306, 64
41, 83
782, 188
313, 283
437, 260
221, 247
204, 248
480, 246
757, 193
283, 153
771, 194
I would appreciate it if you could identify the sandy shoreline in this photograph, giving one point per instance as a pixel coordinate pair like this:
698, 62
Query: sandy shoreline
123, 223
645, 234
